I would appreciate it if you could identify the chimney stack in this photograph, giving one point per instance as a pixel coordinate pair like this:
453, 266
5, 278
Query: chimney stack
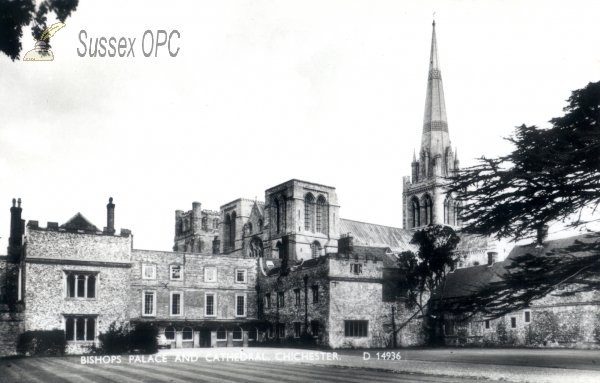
16, 225
492, 257
542, 233
110, 217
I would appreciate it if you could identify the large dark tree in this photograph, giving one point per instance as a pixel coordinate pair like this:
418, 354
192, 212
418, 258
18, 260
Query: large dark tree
17, 14
424, 272
553, 175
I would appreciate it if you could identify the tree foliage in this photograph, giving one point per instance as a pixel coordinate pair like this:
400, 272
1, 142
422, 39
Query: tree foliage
17, 14
551, 175
532, 275
424, 272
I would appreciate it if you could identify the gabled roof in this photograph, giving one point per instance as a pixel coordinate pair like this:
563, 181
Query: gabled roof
79, 222
469, 280
398, 240
369, 234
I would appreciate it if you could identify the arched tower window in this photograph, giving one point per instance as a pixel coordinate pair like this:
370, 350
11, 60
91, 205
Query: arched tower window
260, 225
277, 215
232, 231
428, 209
447, 212
227, 230
309, 202
249, 228
456, 213
315, 249
321, 214
204, 223
415, 212
215, 223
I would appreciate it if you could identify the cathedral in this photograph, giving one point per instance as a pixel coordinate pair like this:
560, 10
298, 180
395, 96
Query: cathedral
286, 268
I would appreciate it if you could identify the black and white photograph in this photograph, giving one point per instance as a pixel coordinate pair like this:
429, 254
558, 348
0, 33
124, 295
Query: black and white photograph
300, 191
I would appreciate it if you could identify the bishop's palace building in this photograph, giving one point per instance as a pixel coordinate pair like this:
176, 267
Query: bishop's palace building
256, 271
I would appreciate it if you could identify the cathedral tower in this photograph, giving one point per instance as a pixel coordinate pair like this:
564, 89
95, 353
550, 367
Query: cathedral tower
424, 200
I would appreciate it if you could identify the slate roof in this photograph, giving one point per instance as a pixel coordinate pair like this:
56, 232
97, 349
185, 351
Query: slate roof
465, 281
398, 240
79, 222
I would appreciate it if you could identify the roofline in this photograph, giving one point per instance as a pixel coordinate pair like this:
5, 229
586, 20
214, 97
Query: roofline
297, 180
376, 224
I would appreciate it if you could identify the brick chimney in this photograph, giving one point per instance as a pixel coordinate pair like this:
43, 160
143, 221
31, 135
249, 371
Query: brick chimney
492, 257
346, 244
216, 244
16, 225
542, 233
110, 217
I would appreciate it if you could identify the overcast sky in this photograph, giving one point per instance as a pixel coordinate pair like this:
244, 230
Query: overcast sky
262, 92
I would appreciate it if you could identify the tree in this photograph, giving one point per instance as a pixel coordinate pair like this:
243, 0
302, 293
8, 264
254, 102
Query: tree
424, 273
16, 14
552, 175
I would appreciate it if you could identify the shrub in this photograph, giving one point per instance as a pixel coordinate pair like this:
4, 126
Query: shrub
143, 338
42, 343
115, 341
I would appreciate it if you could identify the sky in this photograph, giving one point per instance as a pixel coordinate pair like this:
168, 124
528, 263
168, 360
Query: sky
331, 92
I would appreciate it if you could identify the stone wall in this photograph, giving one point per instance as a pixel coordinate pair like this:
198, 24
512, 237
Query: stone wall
291, 313
51, 255
11, 325
59, 243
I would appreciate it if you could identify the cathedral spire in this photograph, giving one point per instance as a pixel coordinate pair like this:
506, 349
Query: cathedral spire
435, 137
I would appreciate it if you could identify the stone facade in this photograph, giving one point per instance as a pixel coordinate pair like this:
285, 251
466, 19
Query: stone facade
193, 284
195, 230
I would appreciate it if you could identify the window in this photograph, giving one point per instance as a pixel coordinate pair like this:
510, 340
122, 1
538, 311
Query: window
176, 272
232, 231
356, 268
221, 334
260, 225
149, 303
215, 223
356, 328
281, 330
487, 324
270, 331
81, 328
320, 210
315, 293
297, 297
309, 202
297, 329
187, 334
280, 299
204, 223
249, 227
315, 249
314, 327
210, 274
148, 271
428, 206
513, 322
527, 316
176, 303
253, 334
416, 213
238, 333
170, 333
268, 301
81, 285
240, 276
210, 304
278, 248
240, 305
